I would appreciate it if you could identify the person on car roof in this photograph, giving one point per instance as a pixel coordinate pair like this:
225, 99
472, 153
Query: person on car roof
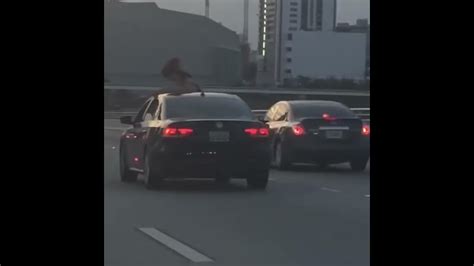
182, 79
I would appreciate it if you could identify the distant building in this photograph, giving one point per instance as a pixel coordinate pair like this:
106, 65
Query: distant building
367, 74
315, 15
253, 56
140, 37
361, 26
301, 38
363, 23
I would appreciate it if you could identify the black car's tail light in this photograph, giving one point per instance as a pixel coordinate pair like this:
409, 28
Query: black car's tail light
177, 132
328, 117
257, 132
365, 130
298, 130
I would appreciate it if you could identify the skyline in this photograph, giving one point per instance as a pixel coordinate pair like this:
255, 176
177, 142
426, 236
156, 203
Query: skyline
230, 12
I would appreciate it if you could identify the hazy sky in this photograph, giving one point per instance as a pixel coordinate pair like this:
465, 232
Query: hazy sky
230, 12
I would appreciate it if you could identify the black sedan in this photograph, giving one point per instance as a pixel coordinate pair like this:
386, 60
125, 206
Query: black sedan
321, 132
192, 135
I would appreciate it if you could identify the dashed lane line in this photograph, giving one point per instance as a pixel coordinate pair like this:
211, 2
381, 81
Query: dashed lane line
175, 245
330, 189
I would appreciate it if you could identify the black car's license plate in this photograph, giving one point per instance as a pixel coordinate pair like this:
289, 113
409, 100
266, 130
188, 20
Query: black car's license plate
219, 136
334, 134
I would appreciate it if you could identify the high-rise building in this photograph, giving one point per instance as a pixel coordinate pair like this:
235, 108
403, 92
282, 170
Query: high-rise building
317, 15
299, 38
362, 25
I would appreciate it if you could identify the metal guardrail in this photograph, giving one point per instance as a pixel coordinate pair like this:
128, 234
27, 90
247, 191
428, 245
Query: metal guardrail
117, 115
363, 113
255, 90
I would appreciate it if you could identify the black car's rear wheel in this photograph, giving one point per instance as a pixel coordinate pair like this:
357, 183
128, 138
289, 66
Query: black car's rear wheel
152, 175
258, 180
281, 158
359, 165
126, 175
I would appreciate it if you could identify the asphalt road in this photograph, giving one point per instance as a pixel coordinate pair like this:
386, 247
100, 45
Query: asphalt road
305, 217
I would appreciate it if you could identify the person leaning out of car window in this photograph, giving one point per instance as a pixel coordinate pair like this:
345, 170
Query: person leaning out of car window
182, 79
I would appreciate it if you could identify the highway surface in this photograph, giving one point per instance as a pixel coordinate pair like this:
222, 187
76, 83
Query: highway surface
305, 217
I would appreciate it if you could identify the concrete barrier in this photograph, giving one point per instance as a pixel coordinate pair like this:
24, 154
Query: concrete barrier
363, 113
117, 98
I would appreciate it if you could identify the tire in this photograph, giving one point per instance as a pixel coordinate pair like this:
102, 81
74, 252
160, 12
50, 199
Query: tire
126, 175
153, 178
281, 160
359, 165
258, 181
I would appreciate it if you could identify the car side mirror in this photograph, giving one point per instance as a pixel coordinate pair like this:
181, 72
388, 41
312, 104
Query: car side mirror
127, 120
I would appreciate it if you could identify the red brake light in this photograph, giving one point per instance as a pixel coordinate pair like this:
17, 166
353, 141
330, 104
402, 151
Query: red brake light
185, 131
298, 130
328, 117
366, 130
172, 132
251, 131
264, 131
257, 132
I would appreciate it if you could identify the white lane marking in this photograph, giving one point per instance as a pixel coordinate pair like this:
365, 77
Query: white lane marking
330, 189
114, 128
272, 179
113, 147
367, 196
175, 245
136, 169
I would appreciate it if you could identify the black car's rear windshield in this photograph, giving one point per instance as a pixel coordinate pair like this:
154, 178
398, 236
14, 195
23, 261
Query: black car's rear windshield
335, 110
206, 108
